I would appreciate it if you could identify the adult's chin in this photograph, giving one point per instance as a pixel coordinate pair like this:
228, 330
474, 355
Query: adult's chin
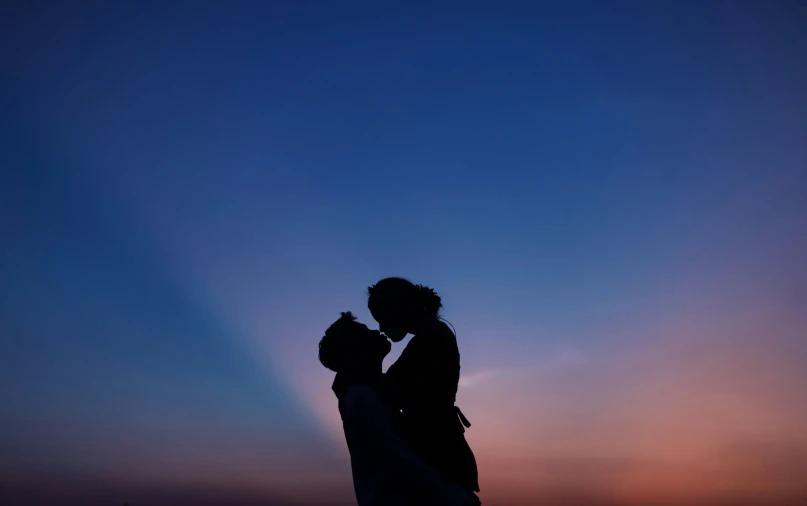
396, 337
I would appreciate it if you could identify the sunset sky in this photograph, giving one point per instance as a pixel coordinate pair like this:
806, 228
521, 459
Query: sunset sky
610, 197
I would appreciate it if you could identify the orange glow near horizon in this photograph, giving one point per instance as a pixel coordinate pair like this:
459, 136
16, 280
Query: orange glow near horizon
703, 410
609, 200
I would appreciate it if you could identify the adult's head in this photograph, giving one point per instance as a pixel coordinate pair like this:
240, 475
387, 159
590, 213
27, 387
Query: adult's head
401, 307
349, 346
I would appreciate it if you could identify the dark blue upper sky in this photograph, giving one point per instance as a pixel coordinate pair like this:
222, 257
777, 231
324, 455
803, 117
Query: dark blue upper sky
191, 192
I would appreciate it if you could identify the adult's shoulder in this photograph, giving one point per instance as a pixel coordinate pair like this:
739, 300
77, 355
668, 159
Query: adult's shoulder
443, 332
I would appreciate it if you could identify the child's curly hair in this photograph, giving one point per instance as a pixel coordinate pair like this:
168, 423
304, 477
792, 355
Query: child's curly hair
335, 347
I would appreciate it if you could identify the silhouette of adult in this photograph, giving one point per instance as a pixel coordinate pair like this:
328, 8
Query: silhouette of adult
423, 382
386, 472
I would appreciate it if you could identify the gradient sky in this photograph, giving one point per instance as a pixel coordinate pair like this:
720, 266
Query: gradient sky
609, 196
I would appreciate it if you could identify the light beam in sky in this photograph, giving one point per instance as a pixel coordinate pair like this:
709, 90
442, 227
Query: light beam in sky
609, 199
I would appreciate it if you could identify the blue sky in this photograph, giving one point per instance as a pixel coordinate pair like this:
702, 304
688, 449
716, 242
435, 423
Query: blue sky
191, 193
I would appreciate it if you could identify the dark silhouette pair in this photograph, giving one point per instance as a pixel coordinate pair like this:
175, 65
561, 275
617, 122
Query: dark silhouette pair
405, 435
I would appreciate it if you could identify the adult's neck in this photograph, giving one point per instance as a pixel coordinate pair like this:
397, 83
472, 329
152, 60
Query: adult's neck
422, 325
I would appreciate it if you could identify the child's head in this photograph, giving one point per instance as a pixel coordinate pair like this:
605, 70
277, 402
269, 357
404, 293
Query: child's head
349, 346
398, 306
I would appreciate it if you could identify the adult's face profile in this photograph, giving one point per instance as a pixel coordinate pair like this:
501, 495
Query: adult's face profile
395, 334
390, 323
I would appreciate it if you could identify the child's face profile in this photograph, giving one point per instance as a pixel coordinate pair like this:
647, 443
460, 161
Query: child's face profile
372, 343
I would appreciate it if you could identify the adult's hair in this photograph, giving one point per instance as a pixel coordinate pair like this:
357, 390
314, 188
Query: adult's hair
336, 347
400, 292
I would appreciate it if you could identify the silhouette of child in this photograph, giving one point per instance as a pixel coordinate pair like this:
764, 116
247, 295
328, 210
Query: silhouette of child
422, 383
